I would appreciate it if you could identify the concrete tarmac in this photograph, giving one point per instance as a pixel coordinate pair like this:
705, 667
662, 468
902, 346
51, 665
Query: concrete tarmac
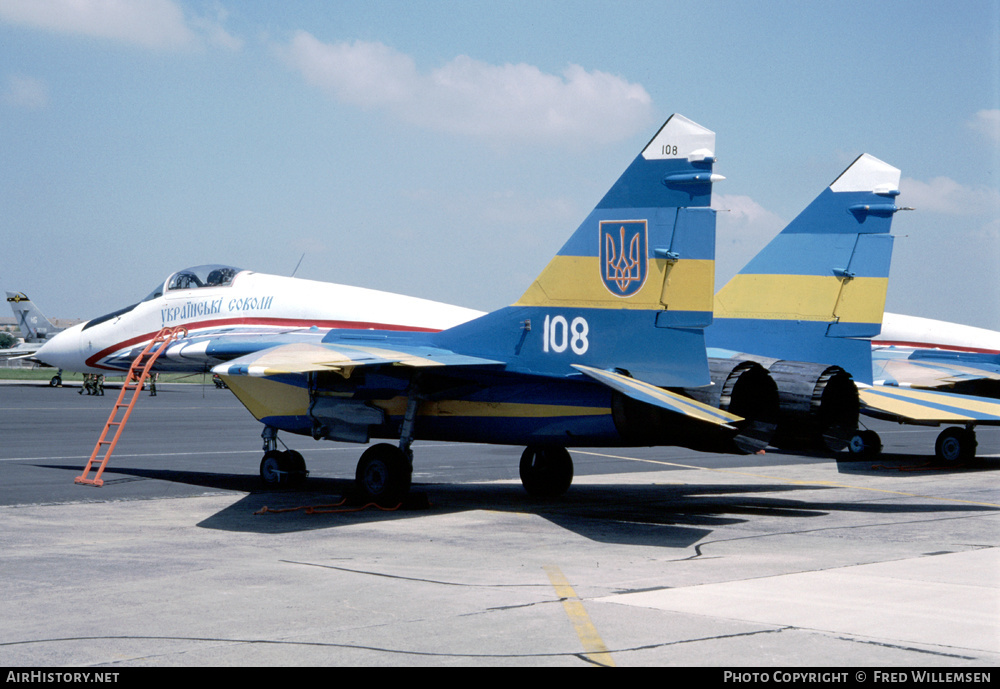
656, 556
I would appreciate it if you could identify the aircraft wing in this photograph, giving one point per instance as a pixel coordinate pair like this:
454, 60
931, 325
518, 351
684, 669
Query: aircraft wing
342, 357
927, 406
19, 351
974, 373
25, 350
658, 397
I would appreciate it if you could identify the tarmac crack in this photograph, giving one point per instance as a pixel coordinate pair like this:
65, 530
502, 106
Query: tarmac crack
415, 579
912, 649
580, 655
699, 553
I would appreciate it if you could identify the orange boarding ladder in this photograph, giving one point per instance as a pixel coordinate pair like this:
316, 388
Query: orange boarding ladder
134, 380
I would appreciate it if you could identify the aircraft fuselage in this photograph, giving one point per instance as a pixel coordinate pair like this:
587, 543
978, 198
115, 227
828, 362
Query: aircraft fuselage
236, 314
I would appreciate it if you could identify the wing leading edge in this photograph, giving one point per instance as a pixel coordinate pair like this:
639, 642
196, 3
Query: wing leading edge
342, 357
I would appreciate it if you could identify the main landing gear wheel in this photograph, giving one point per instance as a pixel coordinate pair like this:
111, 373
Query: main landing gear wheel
383, 475
282, 468
956, 445
546, 472
865, 444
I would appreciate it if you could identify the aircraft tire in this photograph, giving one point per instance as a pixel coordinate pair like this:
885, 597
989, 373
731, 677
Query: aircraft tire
55, 382
865, 444
283, 468
955, 445
383, 475
296, 467
273, 468
546, 472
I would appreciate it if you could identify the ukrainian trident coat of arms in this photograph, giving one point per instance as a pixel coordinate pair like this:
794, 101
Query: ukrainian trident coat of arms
623, 256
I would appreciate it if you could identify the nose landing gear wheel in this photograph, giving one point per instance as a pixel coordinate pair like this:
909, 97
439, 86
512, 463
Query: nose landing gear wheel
282, 468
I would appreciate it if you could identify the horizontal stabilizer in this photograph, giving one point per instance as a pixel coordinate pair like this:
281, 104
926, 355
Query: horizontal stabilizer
342, 358
658, 397
926, 406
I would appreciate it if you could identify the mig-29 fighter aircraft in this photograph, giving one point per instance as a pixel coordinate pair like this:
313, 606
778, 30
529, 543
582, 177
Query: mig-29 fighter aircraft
590, 355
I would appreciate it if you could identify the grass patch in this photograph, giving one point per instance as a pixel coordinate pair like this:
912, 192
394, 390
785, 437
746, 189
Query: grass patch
47, 373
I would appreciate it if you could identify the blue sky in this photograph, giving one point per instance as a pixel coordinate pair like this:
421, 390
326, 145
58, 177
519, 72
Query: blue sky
447, 149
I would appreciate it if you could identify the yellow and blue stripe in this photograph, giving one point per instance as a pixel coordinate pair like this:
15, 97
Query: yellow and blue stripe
931, 407
821, 282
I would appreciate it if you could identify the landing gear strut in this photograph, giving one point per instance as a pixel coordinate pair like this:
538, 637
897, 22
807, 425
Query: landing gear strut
385, 471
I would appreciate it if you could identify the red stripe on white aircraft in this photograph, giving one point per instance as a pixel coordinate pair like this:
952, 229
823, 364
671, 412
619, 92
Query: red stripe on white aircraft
94, 360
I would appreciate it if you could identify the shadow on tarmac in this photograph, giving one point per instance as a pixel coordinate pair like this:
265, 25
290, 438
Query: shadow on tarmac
889, 462
661, 515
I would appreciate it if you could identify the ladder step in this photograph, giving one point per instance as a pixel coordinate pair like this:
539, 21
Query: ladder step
139, 364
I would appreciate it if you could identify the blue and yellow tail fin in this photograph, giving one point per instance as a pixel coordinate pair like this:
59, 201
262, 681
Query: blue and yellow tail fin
632, 288
821, 281
650, 243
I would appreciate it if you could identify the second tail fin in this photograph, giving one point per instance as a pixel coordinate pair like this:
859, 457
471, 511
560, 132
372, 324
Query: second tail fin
822, 281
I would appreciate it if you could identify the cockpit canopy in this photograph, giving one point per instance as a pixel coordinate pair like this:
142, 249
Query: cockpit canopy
211, 275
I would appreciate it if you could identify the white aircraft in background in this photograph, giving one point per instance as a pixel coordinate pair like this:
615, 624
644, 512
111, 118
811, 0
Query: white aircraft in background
925, 354
937, 355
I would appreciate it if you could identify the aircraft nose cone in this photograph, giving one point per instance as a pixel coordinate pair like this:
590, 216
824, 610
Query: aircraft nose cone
63, 351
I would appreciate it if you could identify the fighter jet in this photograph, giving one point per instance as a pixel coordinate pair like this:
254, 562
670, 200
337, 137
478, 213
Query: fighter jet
590, 355
36, 329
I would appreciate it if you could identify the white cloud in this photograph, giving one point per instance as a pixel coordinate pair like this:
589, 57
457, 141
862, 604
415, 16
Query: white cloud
747, 213
945, 195
470, 97
743, 228
155, 24
25, 92
987, 123
363, 74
